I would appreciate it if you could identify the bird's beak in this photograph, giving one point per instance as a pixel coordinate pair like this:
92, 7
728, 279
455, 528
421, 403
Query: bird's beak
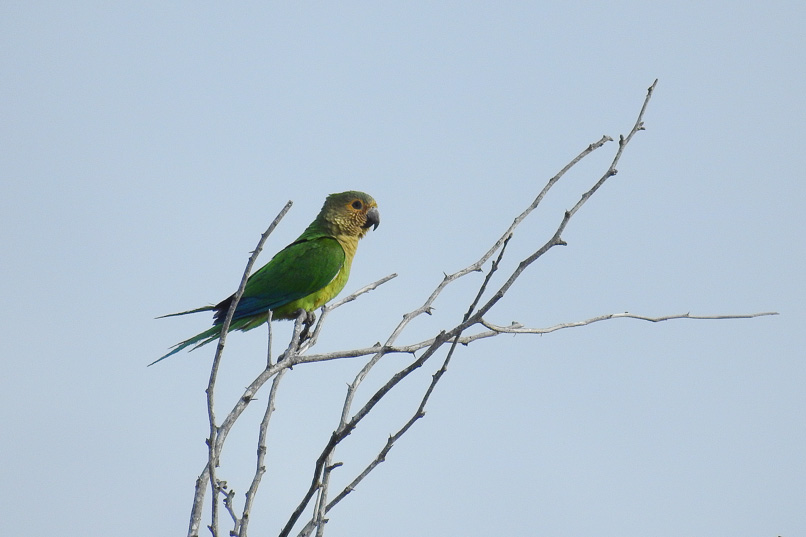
373, 218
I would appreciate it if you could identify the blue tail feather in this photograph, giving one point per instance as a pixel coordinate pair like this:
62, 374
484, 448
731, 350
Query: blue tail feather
197, 310
208, 335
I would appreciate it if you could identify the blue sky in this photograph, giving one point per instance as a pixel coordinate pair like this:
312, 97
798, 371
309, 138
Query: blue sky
146, 146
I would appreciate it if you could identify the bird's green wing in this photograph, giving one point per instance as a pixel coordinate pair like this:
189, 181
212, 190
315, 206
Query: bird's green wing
298, 270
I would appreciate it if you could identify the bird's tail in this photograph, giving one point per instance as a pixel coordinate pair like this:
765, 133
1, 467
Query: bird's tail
198, 340
197, 310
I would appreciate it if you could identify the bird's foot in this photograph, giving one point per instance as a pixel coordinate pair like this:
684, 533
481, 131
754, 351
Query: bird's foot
308, 320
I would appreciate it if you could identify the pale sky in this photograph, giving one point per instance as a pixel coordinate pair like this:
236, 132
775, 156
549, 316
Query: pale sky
147, 145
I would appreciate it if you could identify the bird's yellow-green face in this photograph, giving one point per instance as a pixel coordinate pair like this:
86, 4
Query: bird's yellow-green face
352, 213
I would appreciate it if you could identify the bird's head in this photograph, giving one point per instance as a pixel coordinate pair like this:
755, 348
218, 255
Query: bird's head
351, 213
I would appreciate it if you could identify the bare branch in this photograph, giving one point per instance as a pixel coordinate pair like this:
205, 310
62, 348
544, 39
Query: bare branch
557, 240
327, 308
366, 289
260, 468
497, 330
212, 442
229, 496
269, 339
516, 328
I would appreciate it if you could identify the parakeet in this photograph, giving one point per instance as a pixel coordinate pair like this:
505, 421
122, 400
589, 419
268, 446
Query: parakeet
306, 274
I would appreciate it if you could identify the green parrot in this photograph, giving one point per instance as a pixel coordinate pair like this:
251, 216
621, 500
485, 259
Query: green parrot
304, 275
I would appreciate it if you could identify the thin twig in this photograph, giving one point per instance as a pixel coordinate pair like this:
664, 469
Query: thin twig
260, 467
229, 496
212, 441
513, 328
268, 345
556, 239
321, 502
517, 328
327, 308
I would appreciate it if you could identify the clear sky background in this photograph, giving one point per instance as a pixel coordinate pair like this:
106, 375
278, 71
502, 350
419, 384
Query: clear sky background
144, 146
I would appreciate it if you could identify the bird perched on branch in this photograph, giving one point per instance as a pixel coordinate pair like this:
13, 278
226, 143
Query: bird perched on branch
304, 275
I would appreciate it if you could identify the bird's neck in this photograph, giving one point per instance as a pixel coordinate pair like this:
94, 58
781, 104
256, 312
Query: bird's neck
350, 245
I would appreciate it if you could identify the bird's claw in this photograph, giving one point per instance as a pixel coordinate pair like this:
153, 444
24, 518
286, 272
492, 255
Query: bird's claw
308, 319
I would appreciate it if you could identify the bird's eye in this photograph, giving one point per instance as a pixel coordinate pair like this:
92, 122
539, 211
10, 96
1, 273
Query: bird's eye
357, 205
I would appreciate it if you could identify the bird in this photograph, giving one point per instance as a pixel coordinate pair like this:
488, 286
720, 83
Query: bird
304, 275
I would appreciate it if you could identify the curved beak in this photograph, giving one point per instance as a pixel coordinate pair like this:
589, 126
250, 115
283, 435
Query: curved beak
373, 218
